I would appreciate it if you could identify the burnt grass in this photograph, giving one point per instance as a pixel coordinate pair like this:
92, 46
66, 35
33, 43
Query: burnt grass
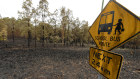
60, 63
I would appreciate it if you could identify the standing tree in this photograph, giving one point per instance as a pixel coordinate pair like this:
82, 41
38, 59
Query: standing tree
69, 20
76, 30
13, 27
84, 33
34, 15
65, 21
53, 21
44, 12
27, 14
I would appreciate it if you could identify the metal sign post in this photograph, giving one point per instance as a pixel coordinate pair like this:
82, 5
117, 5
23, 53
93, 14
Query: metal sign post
102, 5
99, 75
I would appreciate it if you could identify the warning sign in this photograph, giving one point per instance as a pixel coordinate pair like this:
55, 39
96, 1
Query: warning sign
107, 63
114, 26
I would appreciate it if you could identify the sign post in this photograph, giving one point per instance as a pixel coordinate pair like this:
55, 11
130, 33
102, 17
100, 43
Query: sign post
99, 75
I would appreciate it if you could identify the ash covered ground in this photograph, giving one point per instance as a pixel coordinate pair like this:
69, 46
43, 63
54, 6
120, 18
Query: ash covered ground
60, 63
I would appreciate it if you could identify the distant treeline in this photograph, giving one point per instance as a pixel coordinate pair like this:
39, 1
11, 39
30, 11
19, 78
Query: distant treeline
57, 27
73, 32
40, 24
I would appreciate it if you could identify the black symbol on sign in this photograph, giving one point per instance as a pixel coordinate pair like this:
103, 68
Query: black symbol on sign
119, 26
106, 22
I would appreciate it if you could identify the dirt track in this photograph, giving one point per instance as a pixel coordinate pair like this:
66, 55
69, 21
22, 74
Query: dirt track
59, 63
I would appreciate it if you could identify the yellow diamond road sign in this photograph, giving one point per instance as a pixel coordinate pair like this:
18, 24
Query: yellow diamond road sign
107, 63
114, 26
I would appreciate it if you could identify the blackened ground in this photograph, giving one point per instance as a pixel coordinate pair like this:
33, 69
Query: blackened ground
60, 63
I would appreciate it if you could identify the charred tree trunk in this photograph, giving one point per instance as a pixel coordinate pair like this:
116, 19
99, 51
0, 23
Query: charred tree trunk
13, 34
35, 36
29, 34
43, 36
29, 38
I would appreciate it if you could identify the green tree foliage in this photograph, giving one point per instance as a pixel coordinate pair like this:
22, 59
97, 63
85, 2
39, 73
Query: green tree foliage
84, 32
27, 9
59, 26
66, 19
26, 14
76, 31
10, 23
43, 9
3, 30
